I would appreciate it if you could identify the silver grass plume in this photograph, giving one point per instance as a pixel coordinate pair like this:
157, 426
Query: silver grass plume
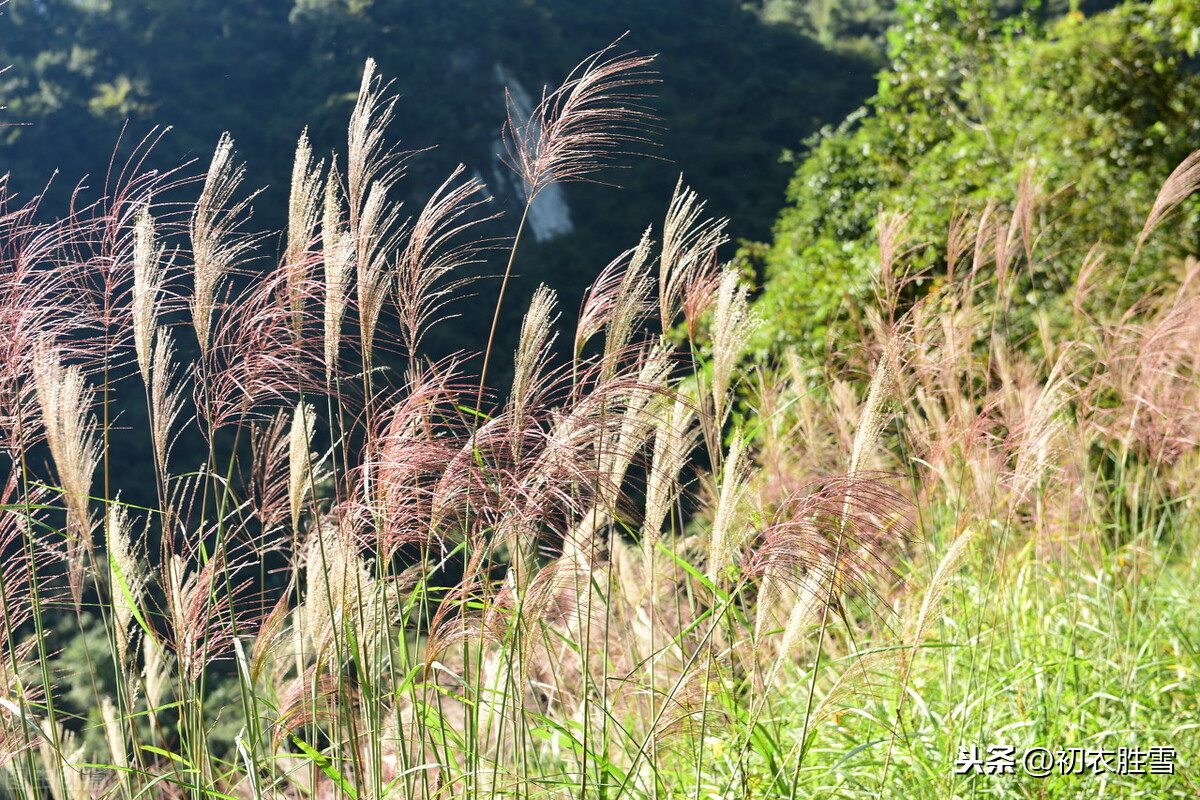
866, 436
300, 459
807, 596
600, 300
724, 538
933, 595
534, 345
431, 254
688, 242
871, 423
166, 401
574, 130
340, 594
1183, 180
733, 323
215, 247
618, 447
156, 674
368, 159
374, 240
148, 275
179, 585
128, 580
64, 400
304, 212
338, 255
1042, 433
61, 760
114, 736
371, 170
863, 673
637, 422
629, 305
674, 437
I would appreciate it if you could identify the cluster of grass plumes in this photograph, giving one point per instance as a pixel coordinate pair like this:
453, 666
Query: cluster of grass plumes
1034, 433
377, 580
1061, 471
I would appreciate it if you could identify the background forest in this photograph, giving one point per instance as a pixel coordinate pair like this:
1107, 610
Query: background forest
807, 395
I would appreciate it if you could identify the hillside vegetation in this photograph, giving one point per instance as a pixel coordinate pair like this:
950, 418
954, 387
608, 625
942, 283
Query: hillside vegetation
926, 505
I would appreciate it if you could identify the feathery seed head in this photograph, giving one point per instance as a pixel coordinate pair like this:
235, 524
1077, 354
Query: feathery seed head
64, 400
338, 256
304, 213
1181, 183
166, 400
674, 437
630, 304
533, 347
733, 323
128, 580
216, 247
688, 274
578, 128
431, 254
725, 539
873, 419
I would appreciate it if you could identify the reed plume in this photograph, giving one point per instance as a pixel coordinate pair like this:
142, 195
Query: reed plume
127, 577
371, 172
166, 396
688, 273
1180, 185
299, 459
732, 325
432, 252
337, 255
304, 214
577, 129
65, 401
216, 246
149, 273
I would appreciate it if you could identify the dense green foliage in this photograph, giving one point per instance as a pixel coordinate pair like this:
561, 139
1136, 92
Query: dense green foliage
1096, 111
256, 545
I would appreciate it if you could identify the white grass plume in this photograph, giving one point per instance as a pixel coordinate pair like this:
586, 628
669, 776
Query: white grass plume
725, 537
65, 400
533, 347
304, 213
338, 257
166, 396
873, 419
128, 579
300, 459
1182, 182
216, 248
689, 245
148, 274
629, 304
733, 323
674, 437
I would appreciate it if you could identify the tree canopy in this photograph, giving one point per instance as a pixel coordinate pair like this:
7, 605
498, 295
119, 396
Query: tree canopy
734, 92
